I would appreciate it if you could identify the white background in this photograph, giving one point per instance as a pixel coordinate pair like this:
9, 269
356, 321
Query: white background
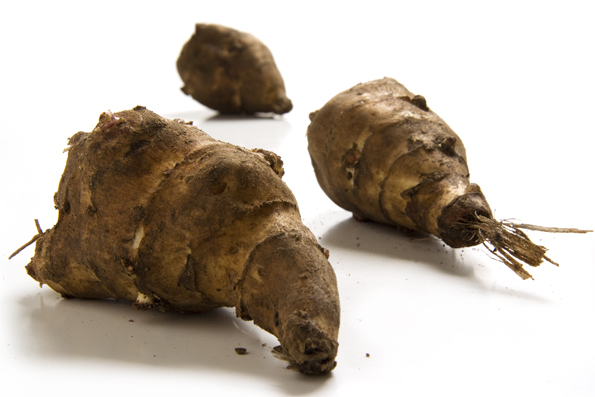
513, 78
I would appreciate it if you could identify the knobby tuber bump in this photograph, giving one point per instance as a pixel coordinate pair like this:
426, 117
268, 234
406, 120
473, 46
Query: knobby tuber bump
381, 153
157, 212
231, 72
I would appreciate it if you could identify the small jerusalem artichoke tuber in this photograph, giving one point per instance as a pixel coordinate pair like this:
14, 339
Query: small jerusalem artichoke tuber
231, 72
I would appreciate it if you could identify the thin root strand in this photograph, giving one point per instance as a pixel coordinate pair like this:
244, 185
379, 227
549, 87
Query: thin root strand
28, 243
550, 229
511, 246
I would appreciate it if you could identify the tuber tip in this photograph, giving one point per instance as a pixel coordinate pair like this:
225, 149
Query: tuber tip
282, 105
309, 349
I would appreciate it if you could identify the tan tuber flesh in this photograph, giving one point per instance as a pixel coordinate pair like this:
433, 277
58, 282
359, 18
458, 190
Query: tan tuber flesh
380, 152
157, 212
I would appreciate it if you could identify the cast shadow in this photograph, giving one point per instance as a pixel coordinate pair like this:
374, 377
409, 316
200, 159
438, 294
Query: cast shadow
243, 117
390, 242
110, 330
418, 249
261, 130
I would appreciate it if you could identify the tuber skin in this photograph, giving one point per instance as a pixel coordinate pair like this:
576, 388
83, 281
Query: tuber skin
157, 212
231, 72
379, 152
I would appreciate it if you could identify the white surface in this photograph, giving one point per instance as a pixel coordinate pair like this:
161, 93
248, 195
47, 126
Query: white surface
513, 79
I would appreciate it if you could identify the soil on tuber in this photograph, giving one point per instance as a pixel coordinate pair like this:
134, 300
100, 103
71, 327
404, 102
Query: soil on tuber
231, 72
157, 212
379, 152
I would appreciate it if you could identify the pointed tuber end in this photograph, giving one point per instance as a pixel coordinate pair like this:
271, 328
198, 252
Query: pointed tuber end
309, 350
282, 105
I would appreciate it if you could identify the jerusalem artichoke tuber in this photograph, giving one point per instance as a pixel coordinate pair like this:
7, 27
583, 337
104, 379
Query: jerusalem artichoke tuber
231, 72
381, 153
157, 212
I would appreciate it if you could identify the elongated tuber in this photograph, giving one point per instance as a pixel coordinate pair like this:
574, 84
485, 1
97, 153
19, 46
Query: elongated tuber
157, 212
381, 153
231, 72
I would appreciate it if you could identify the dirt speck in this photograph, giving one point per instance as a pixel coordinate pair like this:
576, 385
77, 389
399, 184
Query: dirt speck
241, 350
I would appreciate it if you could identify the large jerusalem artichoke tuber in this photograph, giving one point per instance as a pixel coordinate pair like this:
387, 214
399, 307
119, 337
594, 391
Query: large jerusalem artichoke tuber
157, 212
381, 153
231, 72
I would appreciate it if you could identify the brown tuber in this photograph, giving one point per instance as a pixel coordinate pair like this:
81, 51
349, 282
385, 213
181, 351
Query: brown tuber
231, 72
381, 153
157, 212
